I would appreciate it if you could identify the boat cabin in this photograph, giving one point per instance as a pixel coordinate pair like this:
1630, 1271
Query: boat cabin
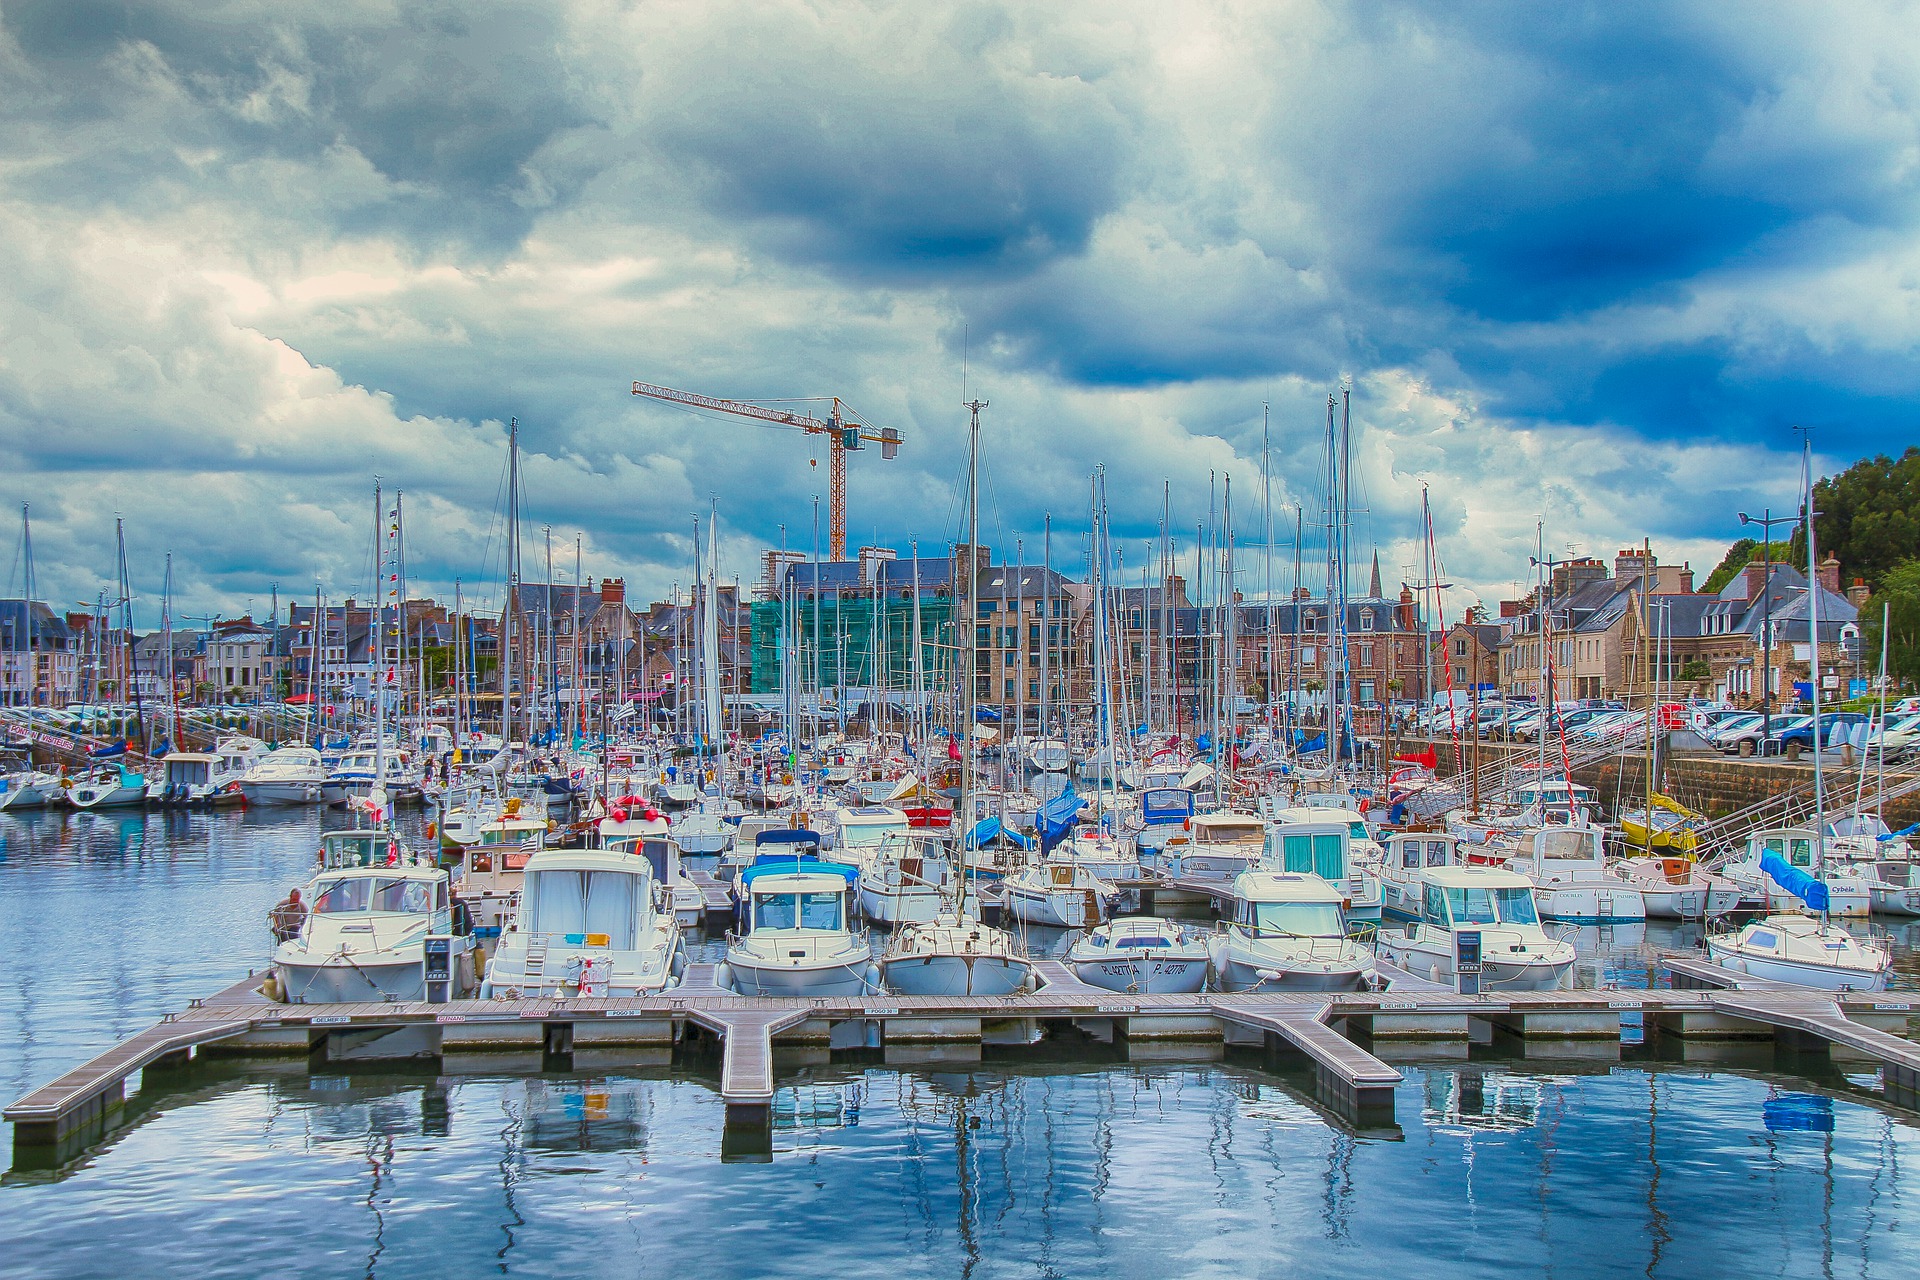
1165, 806
188, 769
1474, 897
781, 891
1229, 829
344, 849
585, 898
1795, 844
1410, 851
1565, 853
1309, 848
870, 825
1289, 904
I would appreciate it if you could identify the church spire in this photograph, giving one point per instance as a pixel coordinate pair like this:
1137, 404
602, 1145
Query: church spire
1373, 589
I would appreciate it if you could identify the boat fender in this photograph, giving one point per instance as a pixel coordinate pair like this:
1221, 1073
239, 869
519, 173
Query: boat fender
272, 989
433, 829
723, 976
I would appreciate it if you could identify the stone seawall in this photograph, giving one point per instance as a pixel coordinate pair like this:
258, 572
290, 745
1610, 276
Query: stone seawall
1711, 783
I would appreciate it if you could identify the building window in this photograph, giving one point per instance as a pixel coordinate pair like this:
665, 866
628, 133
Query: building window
1459, 646
1366, 619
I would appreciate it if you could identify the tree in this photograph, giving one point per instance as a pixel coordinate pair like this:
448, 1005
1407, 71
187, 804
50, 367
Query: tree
1898, 602
1738, 556
1868, 516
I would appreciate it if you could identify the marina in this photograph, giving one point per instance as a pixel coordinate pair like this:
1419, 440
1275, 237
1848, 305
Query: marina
990, 641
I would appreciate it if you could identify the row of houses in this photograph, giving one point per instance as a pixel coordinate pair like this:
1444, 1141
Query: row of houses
1635, 628
1638, 630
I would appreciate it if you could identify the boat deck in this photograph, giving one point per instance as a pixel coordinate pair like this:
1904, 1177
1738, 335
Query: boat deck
1330, 1033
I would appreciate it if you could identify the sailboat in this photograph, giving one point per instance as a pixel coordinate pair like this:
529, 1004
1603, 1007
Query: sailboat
1805, 950
956, 953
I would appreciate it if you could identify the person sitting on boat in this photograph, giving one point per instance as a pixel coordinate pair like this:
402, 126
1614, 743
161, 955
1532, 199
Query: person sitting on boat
287, 916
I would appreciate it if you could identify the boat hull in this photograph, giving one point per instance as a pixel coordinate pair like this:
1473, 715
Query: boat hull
1144, 975
271, 793
954, 975
1897, 900
752, 977
1495, 975
1591, 904
83, 797
335, 982
1794, 972
892, 905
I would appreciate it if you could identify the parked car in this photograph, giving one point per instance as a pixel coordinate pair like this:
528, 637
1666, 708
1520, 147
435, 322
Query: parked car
1717, 733
1897, 737
1793, 742
1747, 741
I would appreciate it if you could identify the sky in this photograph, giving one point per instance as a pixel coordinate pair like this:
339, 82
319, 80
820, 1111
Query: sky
1585, 267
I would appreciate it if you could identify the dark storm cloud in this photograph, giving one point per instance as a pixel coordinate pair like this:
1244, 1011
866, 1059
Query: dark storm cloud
450, 105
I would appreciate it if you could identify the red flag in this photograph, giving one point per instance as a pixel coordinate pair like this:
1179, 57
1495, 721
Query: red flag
953, 749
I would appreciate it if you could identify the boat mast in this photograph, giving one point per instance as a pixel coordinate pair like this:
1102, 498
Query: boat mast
1807, 514
513, 582
1046, 624
964, 634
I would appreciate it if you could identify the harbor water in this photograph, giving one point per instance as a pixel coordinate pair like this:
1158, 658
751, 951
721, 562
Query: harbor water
1062, 1161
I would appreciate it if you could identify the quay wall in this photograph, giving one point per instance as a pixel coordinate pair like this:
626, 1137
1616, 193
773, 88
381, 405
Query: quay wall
1708, 782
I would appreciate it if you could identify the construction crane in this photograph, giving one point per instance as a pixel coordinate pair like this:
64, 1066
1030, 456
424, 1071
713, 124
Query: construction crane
844, 432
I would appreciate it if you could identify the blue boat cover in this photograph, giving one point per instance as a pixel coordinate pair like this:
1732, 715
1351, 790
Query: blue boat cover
1166, 806
785, 864
1056, 816
119, 748
791, 835
989, 829
1795, 881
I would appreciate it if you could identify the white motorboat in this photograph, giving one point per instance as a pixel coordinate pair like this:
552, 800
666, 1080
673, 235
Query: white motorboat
1288, 933
1142, 955
1221, 844
704, 833
1571, 882
591, 922
194, 778
1804, 951
798, 938
113, 788
1515, 952
355, 777
1678, 888
286, 775
954, 954
1064, 895
370, 910
1400, 877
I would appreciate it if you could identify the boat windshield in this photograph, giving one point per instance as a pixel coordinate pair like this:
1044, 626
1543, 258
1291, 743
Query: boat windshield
1492, 906
1574, 846
1300, 919
1231, 833
811, 910
355, 894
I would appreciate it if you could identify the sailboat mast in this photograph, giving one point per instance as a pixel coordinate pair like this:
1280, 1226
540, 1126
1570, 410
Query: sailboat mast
513, 580
1807, 514
964, 633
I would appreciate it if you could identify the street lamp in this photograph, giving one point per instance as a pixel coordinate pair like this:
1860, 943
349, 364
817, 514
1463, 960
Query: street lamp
1766, 520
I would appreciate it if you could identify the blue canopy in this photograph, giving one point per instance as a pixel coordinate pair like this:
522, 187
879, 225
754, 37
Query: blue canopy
1056, 816
989, 829
786, 864
119, 748
1316, 743
790, 835
1795, 881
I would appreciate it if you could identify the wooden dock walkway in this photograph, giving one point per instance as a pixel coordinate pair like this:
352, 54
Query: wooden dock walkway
1329, 1031
718, 897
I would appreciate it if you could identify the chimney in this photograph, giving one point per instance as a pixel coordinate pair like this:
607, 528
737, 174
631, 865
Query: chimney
1830, 573
613, 591
1632, 562
1756, 578
1857, 593
1409, 614
1509, 608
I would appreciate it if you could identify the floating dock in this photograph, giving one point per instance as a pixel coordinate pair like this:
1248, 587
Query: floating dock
1334, 1035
